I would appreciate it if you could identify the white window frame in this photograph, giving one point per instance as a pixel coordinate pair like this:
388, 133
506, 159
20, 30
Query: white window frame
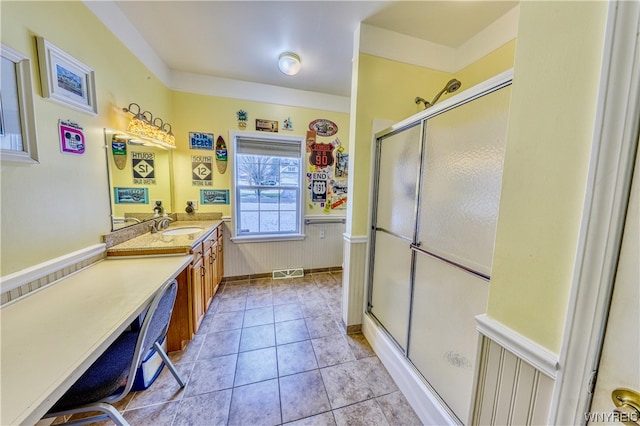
235, 207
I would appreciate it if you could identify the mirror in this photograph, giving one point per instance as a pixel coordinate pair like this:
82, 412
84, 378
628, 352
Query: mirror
17, 113
139, 175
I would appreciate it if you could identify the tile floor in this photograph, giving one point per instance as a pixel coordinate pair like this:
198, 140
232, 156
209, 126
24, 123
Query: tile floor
272, 352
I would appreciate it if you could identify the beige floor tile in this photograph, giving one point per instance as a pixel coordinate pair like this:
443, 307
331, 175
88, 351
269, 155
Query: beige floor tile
303, 395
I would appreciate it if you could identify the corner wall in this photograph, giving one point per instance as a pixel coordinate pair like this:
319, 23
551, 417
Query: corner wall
62, 204
556, 82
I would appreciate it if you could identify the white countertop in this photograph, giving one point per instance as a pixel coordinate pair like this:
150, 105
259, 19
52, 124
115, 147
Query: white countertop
52, 336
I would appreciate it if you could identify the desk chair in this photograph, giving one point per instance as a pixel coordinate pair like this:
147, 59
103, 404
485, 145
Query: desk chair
111, 377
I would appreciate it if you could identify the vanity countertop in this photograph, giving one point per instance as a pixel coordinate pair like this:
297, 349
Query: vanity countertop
53, 335
160, 243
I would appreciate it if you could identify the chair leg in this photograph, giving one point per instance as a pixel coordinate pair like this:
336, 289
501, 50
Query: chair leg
109, 411
169, 364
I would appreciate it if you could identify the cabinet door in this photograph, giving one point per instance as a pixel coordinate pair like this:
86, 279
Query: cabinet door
209, 274
220, 258
197, 296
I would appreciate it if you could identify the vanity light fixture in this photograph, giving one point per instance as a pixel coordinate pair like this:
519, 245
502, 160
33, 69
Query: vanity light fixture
289, 63
151, 130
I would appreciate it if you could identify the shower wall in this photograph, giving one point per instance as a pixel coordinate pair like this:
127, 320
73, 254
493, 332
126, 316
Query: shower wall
435, 207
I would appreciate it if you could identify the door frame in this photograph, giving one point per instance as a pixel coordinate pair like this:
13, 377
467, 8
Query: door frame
614, 149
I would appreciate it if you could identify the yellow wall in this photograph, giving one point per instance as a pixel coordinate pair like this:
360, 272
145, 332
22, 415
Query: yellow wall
497, 61
387, 90
557, 71
217, 115
62, 205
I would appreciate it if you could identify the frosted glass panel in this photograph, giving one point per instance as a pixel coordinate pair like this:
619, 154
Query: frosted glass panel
462, 176
443, 340
399, 162
390, 292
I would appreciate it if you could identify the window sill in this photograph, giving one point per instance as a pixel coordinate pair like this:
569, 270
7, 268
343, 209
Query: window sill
267, 238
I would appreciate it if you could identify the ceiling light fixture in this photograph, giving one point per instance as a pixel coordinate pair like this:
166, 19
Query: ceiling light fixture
289, 63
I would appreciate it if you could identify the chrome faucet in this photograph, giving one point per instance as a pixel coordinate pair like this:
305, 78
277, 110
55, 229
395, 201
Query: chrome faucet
160, 224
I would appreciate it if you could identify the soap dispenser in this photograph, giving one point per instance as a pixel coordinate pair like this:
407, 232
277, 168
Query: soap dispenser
189, 209
158, 210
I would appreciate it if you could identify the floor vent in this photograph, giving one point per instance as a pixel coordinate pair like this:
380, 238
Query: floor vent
279, 274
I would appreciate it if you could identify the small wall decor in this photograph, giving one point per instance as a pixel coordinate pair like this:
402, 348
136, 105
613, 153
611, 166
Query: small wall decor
321, 155
221, 155
214, 196
119, 151
65, 79
242, 119
266, 125
201, 170
311, 139
131, 195
71, 137
324, 127
342, 165
319, 187
143, 165
287, 124
200, 140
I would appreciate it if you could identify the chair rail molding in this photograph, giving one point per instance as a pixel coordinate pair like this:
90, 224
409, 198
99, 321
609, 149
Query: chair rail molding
33, 273
539, 357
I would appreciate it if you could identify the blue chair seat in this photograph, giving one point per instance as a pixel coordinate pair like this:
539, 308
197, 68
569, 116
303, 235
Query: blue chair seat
110, 378
105, 376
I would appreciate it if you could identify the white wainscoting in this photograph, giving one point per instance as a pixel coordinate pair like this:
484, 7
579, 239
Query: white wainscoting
313, 252
18, 284
353, 280
515, 377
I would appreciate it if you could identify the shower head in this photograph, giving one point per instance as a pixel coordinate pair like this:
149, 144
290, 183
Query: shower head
451, 86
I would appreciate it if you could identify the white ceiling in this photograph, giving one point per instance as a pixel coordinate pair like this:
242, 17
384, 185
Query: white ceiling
242, 40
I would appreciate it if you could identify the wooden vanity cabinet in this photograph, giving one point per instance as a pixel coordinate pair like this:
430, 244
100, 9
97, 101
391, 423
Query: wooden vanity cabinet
196, 287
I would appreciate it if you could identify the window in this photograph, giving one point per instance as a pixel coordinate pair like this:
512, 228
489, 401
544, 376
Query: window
267, 182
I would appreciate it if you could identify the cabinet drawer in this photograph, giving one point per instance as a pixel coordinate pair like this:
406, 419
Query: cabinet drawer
197, 252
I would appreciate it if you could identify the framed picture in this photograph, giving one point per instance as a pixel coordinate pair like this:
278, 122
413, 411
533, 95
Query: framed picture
17, 113
266, 125
65, 79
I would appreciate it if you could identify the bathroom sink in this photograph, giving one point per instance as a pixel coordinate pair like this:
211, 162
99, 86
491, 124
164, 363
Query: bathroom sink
183, 231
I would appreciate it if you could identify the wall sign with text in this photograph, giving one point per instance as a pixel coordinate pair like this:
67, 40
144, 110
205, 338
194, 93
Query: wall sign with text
201, 170
71, 137
131, 195
144, 172
214, 196
200, 140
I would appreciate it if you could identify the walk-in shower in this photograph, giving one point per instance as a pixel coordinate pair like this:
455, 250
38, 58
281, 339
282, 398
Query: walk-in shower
451, 86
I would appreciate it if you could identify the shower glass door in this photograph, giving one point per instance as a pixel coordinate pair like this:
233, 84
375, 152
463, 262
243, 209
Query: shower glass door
394, 229
459, 199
